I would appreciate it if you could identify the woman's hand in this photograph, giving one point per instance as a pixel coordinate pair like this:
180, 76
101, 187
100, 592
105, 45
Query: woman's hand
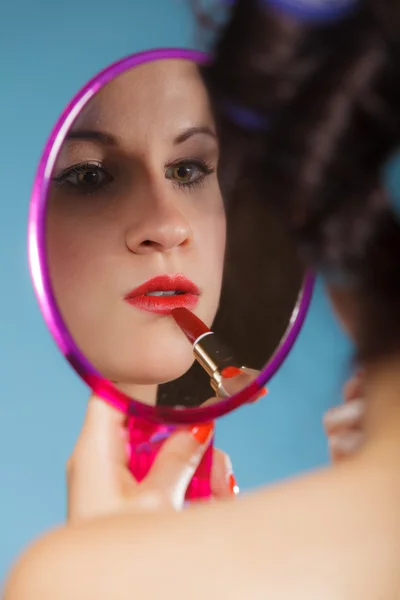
100, 483
234, 380
344, 424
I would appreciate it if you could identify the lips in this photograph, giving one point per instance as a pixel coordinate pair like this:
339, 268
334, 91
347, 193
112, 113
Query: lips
164, 293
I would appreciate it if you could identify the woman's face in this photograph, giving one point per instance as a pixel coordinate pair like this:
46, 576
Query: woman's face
134, 196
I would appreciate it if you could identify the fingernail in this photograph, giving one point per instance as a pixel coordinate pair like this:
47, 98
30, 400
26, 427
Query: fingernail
233, 486
202, 432
230, 372
262, 393
351, 411
346, 443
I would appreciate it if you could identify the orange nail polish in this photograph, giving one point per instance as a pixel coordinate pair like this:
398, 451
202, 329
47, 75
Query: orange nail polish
230, 372
202, 432
263, 392
233, 486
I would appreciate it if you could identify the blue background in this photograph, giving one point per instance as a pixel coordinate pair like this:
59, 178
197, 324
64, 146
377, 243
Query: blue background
48, 51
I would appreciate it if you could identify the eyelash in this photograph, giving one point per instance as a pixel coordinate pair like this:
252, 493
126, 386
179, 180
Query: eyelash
61, 180
205, 167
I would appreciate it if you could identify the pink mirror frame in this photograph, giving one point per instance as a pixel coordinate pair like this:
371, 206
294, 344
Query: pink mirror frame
43, 289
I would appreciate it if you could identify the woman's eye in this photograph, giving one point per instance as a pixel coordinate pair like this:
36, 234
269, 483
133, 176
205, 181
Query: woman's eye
189, 172
87, 178
184, 173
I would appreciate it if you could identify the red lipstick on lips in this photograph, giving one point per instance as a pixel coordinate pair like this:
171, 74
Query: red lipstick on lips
164, 293
212, 355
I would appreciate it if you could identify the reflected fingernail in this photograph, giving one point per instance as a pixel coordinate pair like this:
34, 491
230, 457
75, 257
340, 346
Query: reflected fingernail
346, 443
351, 411
202, 432
233, 486
262, 393
230, 372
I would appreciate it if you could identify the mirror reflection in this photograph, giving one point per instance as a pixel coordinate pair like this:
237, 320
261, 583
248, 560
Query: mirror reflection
143, 219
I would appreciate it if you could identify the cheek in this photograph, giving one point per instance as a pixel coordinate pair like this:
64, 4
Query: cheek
222, 242
220, 235
71, 254
214, 243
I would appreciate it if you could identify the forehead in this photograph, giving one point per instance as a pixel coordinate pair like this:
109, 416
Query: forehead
166, 95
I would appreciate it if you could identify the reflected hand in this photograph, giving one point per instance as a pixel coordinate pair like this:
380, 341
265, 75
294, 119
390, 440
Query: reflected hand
99, 481
344, 424
233, 381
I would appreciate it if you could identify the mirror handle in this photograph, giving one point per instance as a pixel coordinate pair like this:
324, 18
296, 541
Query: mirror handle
145, 440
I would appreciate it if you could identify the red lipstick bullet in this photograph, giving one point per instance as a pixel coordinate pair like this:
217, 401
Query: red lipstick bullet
210, 352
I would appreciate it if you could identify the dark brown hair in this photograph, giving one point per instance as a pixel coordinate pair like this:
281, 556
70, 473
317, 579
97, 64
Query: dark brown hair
332, 97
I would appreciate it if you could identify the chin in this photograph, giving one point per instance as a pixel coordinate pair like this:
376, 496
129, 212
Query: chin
169, 371
152, 367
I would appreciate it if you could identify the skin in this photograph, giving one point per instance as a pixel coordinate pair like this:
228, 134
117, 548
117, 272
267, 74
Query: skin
296, 545
333, 534
100, 455
141, 219
344, 424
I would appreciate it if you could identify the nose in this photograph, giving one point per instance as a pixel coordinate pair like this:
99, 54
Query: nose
160, 228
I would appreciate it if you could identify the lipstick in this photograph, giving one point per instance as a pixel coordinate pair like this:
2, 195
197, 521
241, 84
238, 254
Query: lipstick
208, 350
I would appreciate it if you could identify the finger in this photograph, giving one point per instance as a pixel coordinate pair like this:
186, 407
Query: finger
103, 437
354, 388
177, 461
345, 445
223, 482
344, 416
230, 372
211, 401
97, 471
234, 380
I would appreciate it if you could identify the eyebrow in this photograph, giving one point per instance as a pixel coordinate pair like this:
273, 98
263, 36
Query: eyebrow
109, 140
188, 133
91, 135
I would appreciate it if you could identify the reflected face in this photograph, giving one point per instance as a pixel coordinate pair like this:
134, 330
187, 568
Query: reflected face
136, 222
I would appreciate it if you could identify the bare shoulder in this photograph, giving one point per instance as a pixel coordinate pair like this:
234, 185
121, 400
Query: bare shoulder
320, 536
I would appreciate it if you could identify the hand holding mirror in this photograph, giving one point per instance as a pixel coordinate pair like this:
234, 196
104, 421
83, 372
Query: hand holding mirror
138, 255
